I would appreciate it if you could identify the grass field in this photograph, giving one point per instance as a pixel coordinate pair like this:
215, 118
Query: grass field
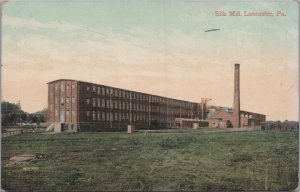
178, 160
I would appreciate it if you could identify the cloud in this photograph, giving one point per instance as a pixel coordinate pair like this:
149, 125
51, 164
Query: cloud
32, 23
171, 63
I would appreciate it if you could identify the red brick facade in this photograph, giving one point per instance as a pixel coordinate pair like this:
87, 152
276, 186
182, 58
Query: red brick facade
92, 107
62, 102
236, 120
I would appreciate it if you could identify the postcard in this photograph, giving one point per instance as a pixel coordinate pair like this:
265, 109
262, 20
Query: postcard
100, 95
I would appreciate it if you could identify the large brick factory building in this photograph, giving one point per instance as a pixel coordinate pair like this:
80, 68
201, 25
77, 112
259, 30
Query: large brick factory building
82, 106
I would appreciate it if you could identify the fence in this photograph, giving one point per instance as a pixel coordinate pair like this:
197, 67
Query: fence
21, 130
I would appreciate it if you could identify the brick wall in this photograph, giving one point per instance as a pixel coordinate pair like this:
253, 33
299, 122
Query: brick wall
99, 107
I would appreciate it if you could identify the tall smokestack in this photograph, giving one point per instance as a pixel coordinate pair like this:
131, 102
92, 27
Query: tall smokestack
236, 119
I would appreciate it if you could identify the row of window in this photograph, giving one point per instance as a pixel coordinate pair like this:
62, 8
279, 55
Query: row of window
107, 116
73, 112
62, 100
63, 86
124, 94
115, 104
118, 104
134, 95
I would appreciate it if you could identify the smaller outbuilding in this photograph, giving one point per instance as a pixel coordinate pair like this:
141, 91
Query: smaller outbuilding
190, 123
221, 117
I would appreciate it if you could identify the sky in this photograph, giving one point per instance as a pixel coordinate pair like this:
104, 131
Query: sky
157, 47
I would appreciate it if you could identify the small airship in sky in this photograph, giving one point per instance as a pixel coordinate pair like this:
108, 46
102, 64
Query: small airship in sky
210, 30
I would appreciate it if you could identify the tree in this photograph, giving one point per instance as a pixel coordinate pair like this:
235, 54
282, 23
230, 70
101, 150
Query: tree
12, 113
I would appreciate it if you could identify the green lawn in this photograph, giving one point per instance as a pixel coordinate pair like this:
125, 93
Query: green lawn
199, 160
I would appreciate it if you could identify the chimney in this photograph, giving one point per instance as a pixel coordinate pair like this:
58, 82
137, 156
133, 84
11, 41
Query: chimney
236, 119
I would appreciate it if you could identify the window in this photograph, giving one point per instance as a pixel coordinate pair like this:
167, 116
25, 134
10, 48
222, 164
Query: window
67, 100
88, 101
73, 86
99, 90
103, 116
87, 113
98, 115
73, 112
62, 100
73, 99
107, 104
51, 108
103, 103
56, 86
87, 88
62, 87
56, 100
99, 104
68, 86
116, 117
107, 116
94, 102
120, 104
94, 115
56, 112
133, 117
68, 113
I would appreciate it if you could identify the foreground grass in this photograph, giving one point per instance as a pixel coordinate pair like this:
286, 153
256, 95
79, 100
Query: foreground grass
182, 160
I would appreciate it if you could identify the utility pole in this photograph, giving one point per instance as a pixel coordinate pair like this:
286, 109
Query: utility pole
110, 106
130, 108
149, 109
203, 103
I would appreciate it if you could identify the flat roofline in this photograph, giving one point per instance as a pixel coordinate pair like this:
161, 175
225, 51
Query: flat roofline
123, 89
61, 80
